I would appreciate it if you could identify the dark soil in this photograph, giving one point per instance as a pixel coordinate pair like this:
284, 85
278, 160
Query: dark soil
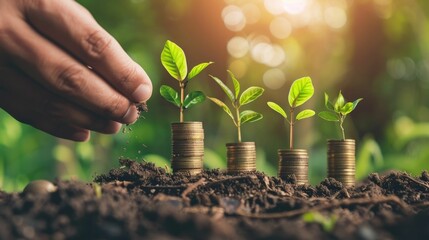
141, 201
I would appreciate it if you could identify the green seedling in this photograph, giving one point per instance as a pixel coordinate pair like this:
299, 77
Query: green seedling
249, 95
327, 223
337, 112
174, 61
97, 190
300, 92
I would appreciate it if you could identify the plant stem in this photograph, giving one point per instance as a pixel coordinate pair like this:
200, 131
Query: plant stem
237, 111
291, 123
342, 128
182, 97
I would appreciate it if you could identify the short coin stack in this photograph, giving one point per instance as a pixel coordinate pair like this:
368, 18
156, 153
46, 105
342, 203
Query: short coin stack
294, 161
187, 147
241, 157
341, 161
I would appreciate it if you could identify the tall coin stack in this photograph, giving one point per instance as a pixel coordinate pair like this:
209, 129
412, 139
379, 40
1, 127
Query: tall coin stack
341, 161
241, 157
187, 147
294, 161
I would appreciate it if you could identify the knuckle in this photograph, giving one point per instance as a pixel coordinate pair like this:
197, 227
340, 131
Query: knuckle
41, 5
97, 42
6, 32
128, 74
3, 31
53, 109
71, 80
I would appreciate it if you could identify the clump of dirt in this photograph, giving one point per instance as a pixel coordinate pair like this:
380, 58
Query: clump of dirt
139, 200
141, 107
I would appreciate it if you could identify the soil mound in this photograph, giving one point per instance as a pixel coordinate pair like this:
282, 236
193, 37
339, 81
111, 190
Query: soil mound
141, 201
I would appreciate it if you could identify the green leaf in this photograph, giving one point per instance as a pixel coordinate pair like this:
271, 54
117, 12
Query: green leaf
339, 103
328, 104
348, 108
236, 84
170, 95
224, 88
174, 61
222, 105
250, 116
355, 103
305, 114
193, 98
251, 94
328, 116
198, 69
301, 90
277, 108
327, 223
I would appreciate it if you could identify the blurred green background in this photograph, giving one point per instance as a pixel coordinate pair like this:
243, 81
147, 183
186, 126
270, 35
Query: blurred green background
375, 49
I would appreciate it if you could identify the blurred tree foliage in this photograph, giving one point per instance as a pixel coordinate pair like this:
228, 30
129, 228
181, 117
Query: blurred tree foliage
375, 49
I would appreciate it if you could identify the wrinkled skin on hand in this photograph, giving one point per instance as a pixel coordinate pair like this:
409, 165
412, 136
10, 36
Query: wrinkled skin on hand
62, 73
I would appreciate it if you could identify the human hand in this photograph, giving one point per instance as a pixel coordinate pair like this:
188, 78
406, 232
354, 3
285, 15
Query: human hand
64, 74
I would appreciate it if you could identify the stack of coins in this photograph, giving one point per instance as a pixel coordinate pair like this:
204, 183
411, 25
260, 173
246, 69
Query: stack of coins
241, 157
341, 161
187, 147
294, 161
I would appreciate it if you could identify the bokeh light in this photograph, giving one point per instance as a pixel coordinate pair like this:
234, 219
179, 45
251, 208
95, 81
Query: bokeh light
335, 17
295, 6
274, 78
280, 28
233, 18
238, 47
269, 54
251, 12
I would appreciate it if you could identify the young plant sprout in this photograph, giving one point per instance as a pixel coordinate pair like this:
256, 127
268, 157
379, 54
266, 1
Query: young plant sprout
249, 95
300, 92
337, 112
174, 61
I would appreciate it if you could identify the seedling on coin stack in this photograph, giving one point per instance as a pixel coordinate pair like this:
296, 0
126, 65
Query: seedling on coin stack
295, 161
241, 156
187, 137
341, 153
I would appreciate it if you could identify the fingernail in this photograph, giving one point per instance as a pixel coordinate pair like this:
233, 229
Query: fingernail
131, 115
142, 93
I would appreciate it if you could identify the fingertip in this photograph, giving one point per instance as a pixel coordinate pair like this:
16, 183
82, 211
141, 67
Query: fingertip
113, 127
131, 115
81, 136
143, 91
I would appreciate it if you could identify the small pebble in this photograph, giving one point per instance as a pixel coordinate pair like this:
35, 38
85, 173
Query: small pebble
39, 187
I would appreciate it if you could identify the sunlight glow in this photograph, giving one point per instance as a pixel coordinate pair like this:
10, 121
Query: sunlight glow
335, 17
277, 7
295, 6
280, 28
274, 7
251, 12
